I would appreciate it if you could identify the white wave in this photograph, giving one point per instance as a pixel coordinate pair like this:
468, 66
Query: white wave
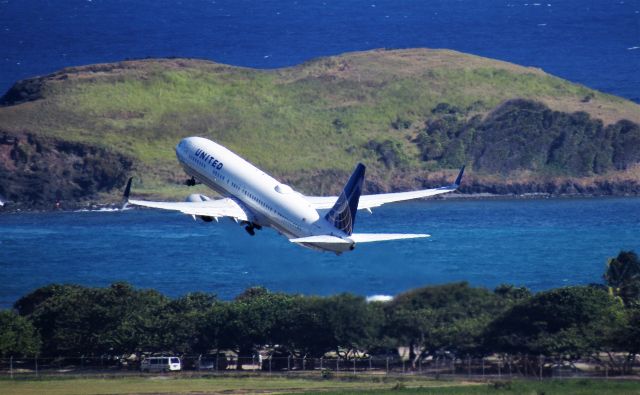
542, 24
101, 210
633, 48
379, 298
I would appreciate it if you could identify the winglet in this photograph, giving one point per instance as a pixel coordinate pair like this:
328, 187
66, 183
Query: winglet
127, 191
459, 179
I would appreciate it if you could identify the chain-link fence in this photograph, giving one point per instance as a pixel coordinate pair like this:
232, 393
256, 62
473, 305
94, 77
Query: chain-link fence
492, 367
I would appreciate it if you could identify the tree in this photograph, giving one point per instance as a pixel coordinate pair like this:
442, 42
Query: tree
305, 330
570, 321
449, 317
214, 330
181, 320
18, 337
512, 293
623, 277
351, 322
75, 320
254, 320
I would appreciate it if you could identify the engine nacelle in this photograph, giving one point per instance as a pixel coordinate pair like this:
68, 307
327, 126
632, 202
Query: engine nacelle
196, 197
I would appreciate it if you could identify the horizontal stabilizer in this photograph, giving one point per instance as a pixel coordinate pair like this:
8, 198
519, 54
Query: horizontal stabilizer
356, 238
371, 237
321, 239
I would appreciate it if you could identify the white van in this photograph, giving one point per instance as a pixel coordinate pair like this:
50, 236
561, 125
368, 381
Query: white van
160, 364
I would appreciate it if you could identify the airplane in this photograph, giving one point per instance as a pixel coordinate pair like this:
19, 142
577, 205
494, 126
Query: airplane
254, 199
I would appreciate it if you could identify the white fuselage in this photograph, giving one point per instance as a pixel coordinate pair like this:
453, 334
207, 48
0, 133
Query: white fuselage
267, 201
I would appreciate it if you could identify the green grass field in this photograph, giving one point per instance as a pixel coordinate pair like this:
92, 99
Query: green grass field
345, 385
206, 385
564, 387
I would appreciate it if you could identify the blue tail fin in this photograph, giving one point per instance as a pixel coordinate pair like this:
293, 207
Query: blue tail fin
343, 213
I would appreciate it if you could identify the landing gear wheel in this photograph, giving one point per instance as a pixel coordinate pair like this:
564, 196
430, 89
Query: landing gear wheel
190, 182
250, 229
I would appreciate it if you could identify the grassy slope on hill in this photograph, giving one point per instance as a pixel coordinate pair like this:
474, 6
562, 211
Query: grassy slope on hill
320, 116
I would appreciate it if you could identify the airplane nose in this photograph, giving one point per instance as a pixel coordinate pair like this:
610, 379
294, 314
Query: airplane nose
184, 143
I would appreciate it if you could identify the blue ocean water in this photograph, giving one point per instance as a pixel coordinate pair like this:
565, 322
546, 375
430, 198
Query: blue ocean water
540, 244
536, 243
596, 43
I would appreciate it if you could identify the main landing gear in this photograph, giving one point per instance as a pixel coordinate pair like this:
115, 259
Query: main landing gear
251, 228
191, 182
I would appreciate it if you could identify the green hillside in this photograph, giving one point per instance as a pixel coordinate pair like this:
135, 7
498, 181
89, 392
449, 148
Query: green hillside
378, 107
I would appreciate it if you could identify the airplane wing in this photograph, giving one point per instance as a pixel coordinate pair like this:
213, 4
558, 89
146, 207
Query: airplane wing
369, 201
210, 208
218, 208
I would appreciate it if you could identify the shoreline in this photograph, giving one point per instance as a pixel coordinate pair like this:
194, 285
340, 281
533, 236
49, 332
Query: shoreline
12, 208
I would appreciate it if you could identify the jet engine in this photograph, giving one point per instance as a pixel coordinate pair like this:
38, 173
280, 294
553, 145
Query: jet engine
196, 197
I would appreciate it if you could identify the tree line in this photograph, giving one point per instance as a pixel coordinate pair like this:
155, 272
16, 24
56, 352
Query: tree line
527, 135
458, 319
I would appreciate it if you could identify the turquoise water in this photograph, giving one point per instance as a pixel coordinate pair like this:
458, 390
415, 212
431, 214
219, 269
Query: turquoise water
540, 244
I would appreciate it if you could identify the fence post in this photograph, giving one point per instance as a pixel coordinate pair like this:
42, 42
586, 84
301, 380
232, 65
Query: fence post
403, 366
509, 362
354, 365
11, 366
82, 362
101, 362
468, 366
288, 364
321, 363
253, 362
337, 363
420, 365
270, 358
36, 366
371, 367
387, 365
500, 368
483, 367
541, 362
